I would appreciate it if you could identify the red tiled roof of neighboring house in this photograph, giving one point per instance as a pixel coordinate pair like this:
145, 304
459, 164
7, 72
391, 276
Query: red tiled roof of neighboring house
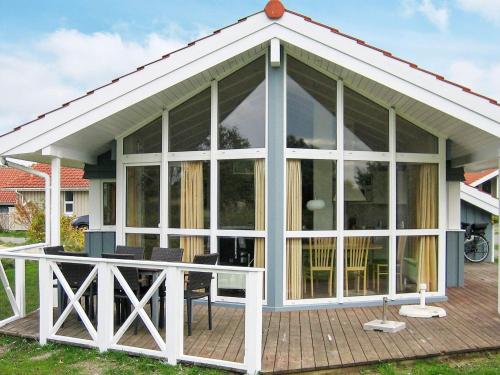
471, 177
8, 197
71, 178
273, 12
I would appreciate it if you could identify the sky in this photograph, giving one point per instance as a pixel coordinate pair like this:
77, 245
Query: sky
54, 50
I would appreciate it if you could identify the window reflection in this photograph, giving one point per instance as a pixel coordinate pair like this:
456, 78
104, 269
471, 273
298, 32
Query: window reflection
366, 195
311, 108
412, 139
366, 124
145, 140
146, 241
242, 107
143, 196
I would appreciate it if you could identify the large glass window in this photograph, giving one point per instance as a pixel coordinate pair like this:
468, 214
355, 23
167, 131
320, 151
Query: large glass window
311, 108
242, 107
145, 140
108, 203
69, 203
366, 124
143, 196
192, 245
412, 139
366, 195
189, 194
314, 194
365, 256
189, 124
416, 263
417, 196
242, 194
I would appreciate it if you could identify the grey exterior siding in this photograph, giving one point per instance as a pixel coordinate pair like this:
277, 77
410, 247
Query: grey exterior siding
473, 214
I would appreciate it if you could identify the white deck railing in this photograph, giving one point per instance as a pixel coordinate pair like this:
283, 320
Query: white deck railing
103, 335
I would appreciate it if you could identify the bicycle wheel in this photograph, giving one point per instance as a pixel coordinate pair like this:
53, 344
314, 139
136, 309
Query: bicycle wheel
476, 249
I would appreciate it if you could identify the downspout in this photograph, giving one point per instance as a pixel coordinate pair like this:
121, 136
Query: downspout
46, 177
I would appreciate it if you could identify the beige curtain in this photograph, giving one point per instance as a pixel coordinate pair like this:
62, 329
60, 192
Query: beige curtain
192, 207
426, 217
294, 222
260, 214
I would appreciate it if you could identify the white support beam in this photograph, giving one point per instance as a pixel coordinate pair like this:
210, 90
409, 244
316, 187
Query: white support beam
498, 195
275, 55
55, 202
65, 153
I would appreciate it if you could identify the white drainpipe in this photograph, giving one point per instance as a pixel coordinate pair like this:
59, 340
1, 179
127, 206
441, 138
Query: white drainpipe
46, 177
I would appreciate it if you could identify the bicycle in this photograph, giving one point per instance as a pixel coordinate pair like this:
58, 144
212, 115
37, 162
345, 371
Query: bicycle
476, 246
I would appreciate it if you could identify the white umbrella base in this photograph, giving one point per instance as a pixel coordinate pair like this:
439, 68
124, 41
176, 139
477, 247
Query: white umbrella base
418, 311
389, 326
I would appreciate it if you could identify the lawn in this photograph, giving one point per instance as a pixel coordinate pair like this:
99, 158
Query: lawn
20, 356
32, 299
13, 233
474, 363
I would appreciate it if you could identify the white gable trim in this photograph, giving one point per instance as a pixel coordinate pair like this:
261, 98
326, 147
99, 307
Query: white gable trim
479, 199
243, 36
485, 178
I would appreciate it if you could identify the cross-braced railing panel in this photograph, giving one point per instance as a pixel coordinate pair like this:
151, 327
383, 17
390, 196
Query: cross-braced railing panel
138, 310
10, 295
74, 302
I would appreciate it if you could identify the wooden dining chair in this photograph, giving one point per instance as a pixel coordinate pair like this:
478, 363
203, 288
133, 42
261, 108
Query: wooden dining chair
322, 259
356, 260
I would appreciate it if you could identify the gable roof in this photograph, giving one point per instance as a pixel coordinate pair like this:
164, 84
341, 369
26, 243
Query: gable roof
8, 197
71, 178
291, 28
476, 178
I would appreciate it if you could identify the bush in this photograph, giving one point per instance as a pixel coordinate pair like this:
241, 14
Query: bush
31, 215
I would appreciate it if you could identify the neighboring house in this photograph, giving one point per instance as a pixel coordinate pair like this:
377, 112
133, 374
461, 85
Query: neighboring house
19, 186
268, 140
478, 194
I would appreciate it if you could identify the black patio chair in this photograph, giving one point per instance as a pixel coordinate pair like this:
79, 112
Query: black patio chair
198, 286
163, 254
75, 275
122, 302
137, 252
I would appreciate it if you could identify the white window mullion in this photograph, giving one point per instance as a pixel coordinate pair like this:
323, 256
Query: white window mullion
442, 212
164, 201
120, 194
392, 204
340, 191
214, 183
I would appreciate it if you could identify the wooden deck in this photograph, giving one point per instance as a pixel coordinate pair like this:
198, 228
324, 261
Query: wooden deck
321, 339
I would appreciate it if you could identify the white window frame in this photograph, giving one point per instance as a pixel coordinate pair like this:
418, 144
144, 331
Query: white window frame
72, 202
213, 156
101, 205
340, 155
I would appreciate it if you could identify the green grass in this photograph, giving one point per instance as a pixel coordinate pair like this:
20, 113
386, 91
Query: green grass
13, 233
477, 363
20, 356
32, 299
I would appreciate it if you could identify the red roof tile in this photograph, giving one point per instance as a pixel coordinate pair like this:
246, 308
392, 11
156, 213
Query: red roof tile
471, 177
71, 178
8, 197
273, 13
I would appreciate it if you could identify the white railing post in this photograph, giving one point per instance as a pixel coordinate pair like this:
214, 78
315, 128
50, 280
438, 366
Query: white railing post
105, 302
253, 322
20, 286
46, 299
174, 314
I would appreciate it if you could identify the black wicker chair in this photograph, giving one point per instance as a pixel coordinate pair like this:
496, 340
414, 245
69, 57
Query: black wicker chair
137, 252
131, 276
75, 275
163, 254
198, 286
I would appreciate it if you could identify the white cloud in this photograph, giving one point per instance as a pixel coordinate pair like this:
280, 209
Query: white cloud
482, 78
437, 15
64, 64
488, 9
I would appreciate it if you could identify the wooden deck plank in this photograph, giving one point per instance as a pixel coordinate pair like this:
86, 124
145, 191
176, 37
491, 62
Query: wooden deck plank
340, 338
318, 341
332, 351
306, 344
271, 342
295, 353
282, 351
365, 343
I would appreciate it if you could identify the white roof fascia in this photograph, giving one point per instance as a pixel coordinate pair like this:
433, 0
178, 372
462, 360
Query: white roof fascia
479, 199
139, 86
391, 73
484, 178
256, 30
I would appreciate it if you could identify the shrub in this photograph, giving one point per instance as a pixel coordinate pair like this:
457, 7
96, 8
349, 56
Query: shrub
72, 238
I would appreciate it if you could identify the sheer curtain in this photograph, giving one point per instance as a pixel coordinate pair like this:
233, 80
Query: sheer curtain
294, 222
192, 207
260, 214
426, 215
